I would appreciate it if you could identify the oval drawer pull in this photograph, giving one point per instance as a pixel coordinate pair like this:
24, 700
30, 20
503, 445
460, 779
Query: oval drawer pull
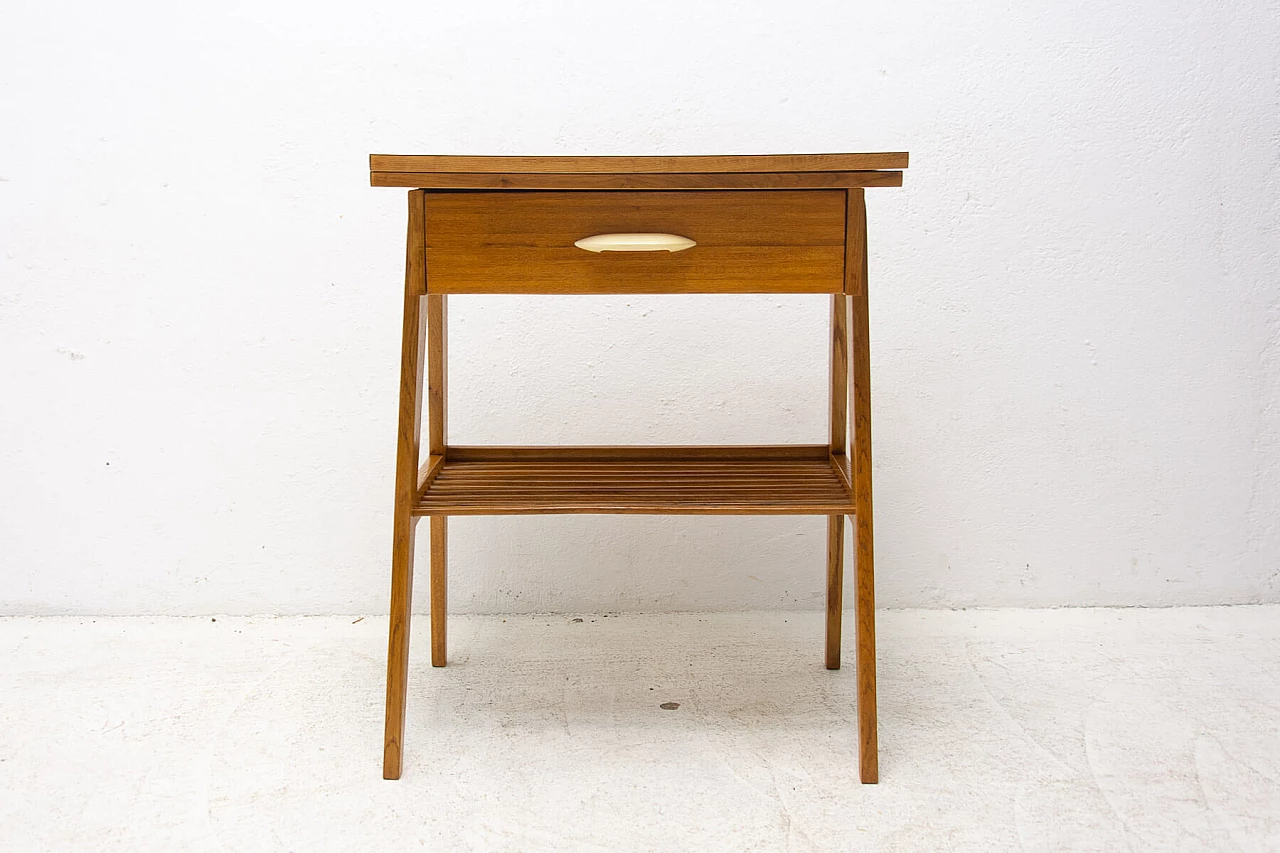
635, 243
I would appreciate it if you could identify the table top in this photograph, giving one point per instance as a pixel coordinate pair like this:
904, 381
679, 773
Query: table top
733, 171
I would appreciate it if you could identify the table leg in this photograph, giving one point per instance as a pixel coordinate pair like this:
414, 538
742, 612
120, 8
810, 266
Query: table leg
398, 645
409, 431
439, 588
838, 442
835, 588
864, 572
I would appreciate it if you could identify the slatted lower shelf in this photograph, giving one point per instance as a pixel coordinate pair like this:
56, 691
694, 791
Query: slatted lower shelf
755, 480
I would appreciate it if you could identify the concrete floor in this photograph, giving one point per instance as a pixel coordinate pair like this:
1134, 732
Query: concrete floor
1032, 730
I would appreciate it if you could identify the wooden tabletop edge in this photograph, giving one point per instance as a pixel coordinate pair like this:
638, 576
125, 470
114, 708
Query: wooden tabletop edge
618, 164
637, 180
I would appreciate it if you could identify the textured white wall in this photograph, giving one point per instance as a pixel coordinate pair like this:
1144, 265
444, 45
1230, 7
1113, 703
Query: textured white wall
1076, 320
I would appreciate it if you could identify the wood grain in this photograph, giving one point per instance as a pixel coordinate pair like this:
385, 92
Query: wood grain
437, 373
520, 181
749, 242
718, 163
835, 588
428, 470
439, 589
840, 462
630, 453
838, 440
839, 390
408, 435
438, 435
864, 572
752, 482
856, 243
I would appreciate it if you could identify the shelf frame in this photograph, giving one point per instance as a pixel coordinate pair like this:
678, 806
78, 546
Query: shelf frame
655, 480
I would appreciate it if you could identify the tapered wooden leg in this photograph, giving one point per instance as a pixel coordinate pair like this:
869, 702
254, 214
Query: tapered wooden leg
439, 588
409, 431
835, 587
437, 420
864, 572
398, 647
839, 411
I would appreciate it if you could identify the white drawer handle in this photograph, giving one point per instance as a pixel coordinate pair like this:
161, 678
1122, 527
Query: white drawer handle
635, 243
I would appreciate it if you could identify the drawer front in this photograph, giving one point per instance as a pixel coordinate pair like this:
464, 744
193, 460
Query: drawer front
746, 242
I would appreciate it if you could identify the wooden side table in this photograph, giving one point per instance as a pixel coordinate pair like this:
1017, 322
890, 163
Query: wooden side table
578, 225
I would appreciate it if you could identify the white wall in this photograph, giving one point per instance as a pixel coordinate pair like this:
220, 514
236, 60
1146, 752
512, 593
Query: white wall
1076, 303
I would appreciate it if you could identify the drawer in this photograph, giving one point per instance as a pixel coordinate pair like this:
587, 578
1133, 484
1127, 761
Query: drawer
773, 241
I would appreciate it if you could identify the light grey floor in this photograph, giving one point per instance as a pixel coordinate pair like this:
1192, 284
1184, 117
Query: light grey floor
1032, 730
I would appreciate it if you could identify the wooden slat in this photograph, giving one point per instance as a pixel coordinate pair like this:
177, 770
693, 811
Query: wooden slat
472, 483
728, 181
694, 467
626, 164
459, 486
646, 471
651, 469
626, 507
747, 480
654, 471
635, 453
